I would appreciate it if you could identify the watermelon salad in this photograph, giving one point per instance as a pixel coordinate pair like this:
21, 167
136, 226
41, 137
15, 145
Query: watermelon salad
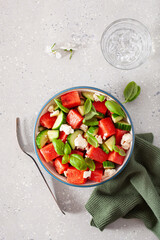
84, 136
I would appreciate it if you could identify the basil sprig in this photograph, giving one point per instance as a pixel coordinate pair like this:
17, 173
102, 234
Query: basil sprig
90, 164
131, 91
87, 106
58, 146
78, 162
59, 104
114, 108
119, 150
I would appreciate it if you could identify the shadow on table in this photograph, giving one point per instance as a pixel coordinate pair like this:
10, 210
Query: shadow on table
67, 198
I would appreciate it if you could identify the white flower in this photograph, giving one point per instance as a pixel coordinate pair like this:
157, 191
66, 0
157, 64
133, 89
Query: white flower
126, 141
66, 128
99, 139
48, 50
58, 55
109, 172
54, 113
84, 127
87, 174
80, 142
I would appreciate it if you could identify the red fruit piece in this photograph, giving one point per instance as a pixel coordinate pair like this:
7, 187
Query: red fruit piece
106, 127
96, 175
75, 176
63, 136
74, 118
49, 152
115, 157
98, 165
60, 168
71, 99
100, 107
119, 135
97, 154
47, 121
77, 152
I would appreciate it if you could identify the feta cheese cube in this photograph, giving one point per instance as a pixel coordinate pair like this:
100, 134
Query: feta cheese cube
54, 113
51, 108
80, 142
126, 141
99, 139
66, 128
109, 172
87, 174
84, 127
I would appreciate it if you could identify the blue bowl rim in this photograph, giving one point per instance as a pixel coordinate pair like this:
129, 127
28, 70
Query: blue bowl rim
96, 89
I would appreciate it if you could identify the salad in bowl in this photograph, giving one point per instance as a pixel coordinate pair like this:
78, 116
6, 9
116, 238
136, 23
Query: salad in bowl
83, 136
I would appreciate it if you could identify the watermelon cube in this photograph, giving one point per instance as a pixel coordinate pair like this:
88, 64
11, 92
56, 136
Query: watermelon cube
74, 118
47, 121
49, 152
115, 157
106, 127
60, 168
75, 176
96, 175
119, 134
100, 107
63, 136
97, 154
71, 99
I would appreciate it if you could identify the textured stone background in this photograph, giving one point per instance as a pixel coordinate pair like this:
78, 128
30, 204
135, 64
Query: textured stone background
29, 77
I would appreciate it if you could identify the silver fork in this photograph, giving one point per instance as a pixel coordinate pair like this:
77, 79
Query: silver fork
22, 148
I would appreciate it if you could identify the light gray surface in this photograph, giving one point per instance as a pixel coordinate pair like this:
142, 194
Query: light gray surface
29, 77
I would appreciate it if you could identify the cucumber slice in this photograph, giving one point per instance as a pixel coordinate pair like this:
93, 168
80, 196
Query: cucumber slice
81, 110
72, 137
116, 118
108, 165
105, 148
88, 95
59, 121
53, 134
42, 139
93, 130
100, 115
123, 125
110, 143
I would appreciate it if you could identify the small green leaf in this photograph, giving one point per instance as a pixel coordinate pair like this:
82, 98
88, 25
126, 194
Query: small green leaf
114, 108
87, 106
90, 115
78, 162
67, 149
116, 149
122, 152
101, 98
58, 102
58, 146
53, 45
131, 91
92, 122
92, 140
71, 51
138, 92
90, 164
65, 159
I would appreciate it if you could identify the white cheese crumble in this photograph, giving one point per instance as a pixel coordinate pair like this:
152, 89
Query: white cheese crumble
99, 139
66, 128
104, 137
87, 174
126, 141
80, 142
54, 113
95, 97
84, 127
51, 108
109, 172
65, 173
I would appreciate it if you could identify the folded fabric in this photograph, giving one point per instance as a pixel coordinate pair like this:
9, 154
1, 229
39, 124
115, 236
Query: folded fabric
134, 193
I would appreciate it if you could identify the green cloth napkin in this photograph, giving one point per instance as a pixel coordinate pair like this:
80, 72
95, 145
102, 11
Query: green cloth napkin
134, 193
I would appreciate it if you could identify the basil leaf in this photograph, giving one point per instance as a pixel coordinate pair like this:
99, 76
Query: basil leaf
138, 92
65, 159
87, 106
58, 102
122, 152
101, 98
92, 140
92, 122
78, 162
67, 149
90, 164
114, 108
93, 109
90, 115
58, 146
130, 91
